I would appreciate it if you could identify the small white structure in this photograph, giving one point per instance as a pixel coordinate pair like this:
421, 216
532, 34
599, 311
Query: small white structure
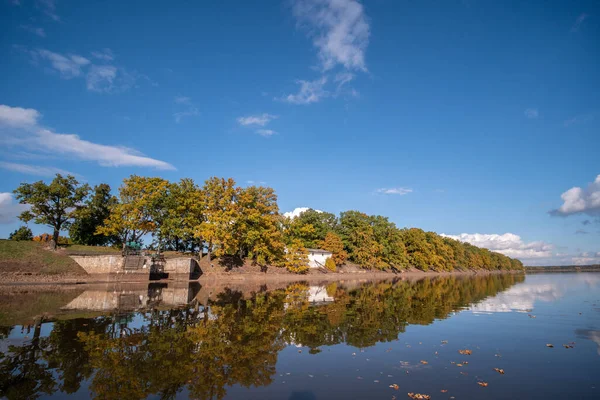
317, 257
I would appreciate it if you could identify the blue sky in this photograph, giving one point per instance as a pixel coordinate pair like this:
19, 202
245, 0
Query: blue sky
461, 117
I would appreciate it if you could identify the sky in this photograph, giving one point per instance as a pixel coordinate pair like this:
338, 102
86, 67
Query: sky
477, 119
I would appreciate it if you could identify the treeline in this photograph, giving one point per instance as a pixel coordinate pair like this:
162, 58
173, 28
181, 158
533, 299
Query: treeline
223, 219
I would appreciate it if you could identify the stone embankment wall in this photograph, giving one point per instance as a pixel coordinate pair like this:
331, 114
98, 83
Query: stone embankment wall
113, 267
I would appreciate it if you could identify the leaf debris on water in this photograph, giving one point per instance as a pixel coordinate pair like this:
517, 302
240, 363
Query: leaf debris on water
395, 386
567, 346
549, 345
466, 352
419, 396
482, 384
499, 370
424, 362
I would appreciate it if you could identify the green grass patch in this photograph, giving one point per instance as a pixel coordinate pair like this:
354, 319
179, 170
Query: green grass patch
32, 257
82, 250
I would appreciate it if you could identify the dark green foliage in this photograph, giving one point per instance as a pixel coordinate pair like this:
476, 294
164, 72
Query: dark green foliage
91, 216
23, 233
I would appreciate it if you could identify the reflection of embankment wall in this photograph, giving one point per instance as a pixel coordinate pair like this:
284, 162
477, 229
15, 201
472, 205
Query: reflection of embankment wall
137, 268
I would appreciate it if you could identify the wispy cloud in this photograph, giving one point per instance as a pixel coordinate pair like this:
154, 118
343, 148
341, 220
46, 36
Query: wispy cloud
104, 55
339, 30
508, 244
48, 7
266, 132
20, 128
35, 30
260, 120
9, 208
190, 111
579, 119
33, 169
578, 200
532, 113
581, 232
398, 191
310, 92
101, 76
579, 22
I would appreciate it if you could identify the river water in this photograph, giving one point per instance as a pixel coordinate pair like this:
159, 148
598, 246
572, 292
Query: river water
459, 337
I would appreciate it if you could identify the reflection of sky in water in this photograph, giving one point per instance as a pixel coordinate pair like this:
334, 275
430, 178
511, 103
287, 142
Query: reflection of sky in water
536, 289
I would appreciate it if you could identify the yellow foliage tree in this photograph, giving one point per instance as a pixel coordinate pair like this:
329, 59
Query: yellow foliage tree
334, 244
330, 265
296, 258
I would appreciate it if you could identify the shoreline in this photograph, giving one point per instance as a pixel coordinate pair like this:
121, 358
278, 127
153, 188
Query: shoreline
233, 278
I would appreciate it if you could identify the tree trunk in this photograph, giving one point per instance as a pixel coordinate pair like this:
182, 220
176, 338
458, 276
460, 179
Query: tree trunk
55, 237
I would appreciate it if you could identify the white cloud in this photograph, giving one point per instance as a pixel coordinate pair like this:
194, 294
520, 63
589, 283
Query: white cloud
399, 190
18, 117
100, 78
297, 211
48, 7
34, 137
104, 55
578, 200
9, 210
35, 30
310, 92
33, 169
578, 22
508, 244
587, 258
183, 100
69, 66
532, 113
339, 30
266, 132
260, 120
579, 119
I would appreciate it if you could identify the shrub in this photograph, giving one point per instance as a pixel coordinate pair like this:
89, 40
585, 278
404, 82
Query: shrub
330, 264
23, 233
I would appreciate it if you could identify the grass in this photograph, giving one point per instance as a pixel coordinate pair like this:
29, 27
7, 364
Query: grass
32, 257
80, 249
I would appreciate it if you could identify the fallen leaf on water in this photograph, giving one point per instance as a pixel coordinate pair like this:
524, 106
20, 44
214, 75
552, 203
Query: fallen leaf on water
299, 351
408, 345
484, 384
499, 370
436, 353
459, 365
531, 316
444, 390
353, 354
311, 376
464, 373
465, 362
465, 352
395, 386
549, 345
419, 396
359, 377
376, 381
567, 346
444, 342
424, 362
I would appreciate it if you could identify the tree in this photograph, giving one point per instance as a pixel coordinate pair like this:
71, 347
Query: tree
334, 244
53, 205
23, 233
91, 216
219, 211
184, 215
141, 209
296, 257
311, 227
330, 265
257, 230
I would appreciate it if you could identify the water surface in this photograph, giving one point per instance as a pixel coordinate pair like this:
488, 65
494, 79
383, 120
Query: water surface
306, 341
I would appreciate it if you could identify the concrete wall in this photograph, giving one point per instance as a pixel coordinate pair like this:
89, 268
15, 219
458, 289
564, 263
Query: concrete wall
111, 264
182, 268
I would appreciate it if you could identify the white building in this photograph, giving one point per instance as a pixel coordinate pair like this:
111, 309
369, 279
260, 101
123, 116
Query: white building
317, 257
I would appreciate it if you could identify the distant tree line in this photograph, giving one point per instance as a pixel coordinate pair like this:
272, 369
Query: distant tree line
223, 219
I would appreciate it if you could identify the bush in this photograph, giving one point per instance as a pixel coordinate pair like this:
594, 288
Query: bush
330, 264
46, 238
23, 233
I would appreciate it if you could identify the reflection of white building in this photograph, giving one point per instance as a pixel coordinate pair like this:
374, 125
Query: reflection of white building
318, 294
317, 257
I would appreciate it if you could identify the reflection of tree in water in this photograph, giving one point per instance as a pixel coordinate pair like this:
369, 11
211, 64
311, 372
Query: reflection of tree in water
233, 340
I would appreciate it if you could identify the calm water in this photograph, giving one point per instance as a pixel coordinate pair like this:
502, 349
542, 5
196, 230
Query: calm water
307, 341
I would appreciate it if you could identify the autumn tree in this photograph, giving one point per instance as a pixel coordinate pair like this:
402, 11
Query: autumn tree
141, 209
53, 204
311, 227
334, 244
91, 216
296, 257
184, 214
257, 231
219, 210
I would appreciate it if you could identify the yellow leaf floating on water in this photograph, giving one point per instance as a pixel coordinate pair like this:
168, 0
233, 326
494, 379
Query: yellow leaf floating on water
466, 352
499, 370
424, 362
459, 365
549, 345
444, 390
567, 346
419, 396
395, 386
483, 384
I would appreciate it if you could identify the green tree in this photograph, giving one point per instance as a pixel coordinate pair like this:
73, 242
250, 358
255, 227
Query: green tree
311, 227
184, 215
53, 204
296, 257
91, 216
23, 233
141, 209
